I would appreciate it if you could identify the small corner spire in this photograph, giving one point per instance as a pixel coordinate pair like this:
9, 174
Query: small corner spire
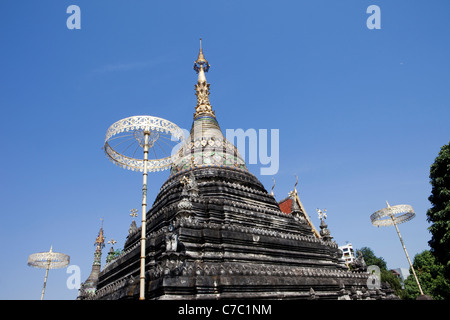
100, 241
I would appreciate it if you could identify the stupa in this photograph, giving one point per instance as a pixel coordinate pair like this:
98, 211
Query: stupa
88, 288
214, 232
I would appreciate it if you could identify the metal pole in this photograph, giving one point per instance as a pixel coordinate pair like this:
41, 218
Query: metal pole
144, 213
45, 279
407, 256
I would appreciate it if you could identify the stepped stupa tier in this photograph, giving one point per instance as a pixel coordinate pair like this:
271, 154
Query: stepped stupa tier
214, 232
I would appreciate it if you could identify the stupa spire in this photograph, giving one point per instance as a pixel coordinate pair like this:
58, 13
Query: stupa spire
206, 144
201, 66
100, 241
201, 62
100, 244
90, 285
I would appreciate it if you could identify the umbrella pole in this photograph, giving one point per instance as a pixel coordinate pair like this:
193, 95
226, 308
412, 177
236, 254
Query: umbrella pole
45, 280
144, 214
407, 256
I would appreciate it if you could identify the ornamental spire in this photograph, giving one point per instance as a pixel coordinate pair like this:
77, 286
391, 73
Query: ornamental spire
100, 241
100, 244
201, 60
89, 287
201, 66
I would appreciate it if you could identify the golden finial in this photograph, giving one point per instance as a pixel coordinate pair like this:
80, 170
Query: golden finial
202, 87
322, 213
133, 213
201, 62
271, 191
100, 239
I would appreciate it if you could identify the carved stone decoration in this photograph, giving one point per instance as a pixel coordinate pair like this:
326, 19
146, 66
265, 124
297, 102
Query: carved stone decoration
312, 294
324, 232
190, 191
185, 204
171, 264
341, 260
192, 186
359, 264
171, 242
133, 229
203, 104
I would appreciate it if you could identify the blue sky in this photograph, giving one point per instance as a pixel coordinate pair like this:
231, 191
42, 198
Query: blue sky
362, 113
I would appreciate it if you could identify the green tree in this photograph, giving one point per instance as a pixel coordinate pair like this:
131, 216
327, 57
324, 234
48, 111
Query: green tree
371, 259
393, 280
431, 277
439, 213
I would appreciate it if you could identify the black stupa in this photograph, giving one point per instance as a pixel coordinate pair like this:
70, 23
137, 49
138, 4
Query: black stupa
214, 232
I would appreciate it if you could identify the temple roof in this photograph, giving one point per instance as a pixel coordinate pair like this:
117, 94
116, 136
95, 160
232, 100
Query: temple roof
293, 204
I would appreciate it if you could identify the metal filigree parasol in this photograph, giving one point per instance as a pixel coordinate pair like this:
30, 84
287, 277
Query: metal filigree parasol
392, 216
48, 260
157, 138
127, 136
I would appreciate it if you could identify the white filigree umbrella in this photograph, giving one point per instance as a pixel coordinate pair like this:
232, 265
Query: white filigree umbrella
158, 139
392, 216
48, 260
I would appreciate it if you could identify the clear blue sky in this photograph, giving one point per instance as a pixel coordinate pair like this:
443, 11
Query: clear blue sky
362, 113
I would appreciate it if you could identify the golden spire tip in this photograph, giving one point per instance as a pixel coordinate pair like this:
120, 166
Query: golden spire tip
201, 62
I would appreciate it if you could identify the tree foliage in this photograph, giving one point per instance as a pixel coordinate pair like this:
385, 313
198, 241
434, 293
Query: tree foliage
431, 278
371, 259
439, 214
393, 280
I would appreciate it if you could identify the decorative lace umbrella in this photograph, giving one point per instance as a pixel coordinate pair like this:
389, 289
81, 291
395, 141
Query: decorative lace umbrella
392, 216
158, 138
48, 260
